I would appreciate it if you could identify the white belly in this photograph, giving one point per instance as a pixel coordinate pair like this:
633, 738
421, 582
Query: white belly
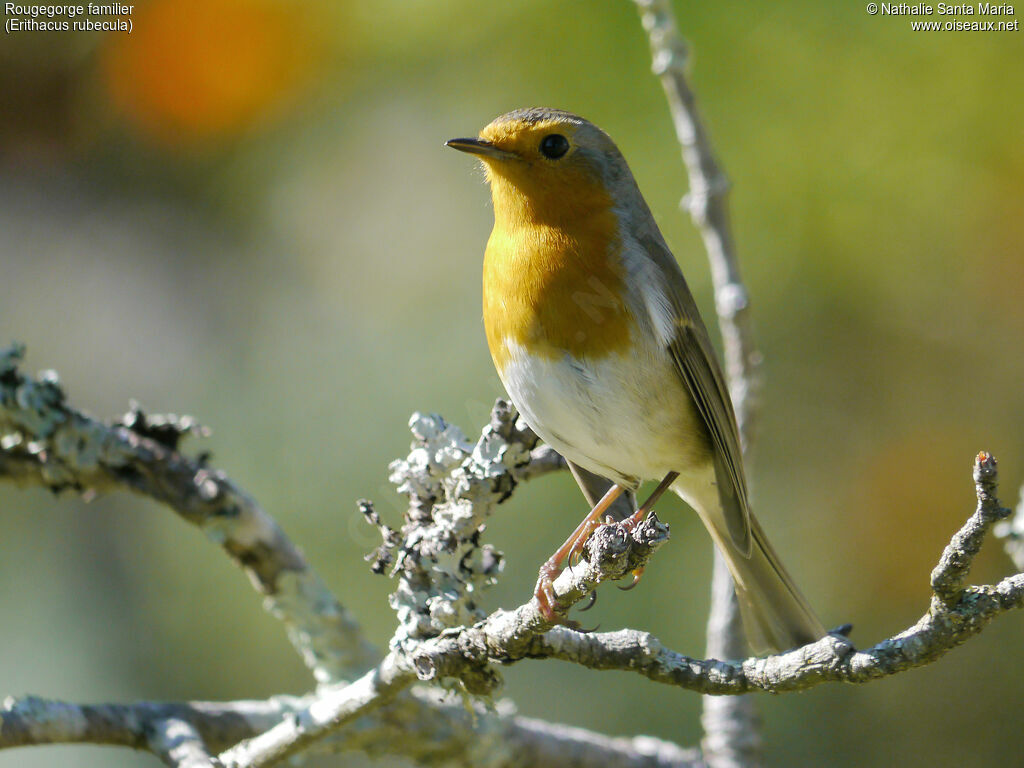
627, 418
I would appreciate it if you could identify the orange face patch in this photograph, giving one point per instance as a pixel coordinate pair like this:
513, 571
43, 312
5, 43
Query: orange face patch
534, 188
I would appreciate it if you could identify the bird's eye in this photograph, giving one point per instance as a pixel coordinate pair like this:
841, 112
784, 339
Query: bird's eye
554, 145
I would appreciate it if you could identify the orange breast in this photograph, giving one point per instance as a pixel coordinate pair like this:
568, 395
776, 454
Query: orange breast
554, 285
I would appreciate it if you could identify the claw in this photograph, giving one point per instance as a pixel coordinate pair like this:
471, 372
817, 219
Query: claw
636, 580
591, 602
574, 560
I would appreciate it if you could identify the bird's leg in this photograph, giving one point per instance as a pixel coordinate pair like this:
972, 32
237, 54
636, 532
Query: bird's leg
633, 520
544, 592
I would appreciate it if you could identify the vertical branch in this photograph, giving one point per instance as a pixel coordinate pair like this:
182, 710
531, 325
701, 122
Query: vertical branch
708, 206
731, 725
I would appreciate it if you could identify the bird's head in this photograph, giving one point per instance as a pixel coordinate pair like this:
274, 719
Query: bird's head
548, 166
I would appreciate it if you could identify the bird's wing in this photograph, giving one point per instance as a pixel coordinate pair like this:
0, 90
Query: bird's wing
697, 365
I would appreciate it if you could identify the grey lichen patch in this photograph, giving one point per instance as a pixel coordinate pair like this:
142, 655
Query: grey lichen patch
166, 429
30, 406
382, 557
453, 485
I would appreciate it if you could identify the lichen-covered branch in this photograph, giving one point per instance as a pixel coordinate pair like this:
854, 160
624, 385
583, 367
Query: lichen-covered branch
442, 565
452, 486
44, 441
505, 636
462, 654
450, 731
418, 726
331, 708
956, 613
954, 565
31, 720
440, 539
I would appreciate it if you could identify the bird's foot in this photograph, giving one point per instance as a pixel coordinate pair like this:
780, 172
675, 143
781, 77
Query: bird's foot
544, 594
631, 522
580, 539
570, 551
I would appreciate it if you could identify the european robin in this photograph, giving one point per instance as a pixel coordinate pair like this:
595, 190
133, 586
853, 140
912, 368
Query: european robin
599, 343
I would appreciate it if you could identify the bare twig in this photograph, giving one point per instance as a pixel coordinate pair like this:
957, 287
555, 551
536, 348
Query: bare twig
732, 727
707, 202
949, 575
46, 442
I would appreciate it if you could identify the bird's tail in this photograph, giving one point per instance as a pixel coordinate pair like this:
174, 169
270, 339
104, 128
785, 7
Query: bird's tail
776, 616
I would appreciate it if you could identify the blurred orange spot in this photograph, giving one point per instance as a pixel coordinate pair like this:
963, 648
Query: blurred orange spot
195, 70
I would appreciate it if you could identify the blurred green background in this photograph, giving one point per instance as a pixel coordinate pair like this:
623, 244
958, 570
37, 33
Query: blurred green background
243, 211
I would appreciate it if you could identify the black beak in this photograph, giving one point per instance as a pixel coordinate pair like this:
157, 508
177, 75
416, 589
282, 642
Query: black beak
480, 147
